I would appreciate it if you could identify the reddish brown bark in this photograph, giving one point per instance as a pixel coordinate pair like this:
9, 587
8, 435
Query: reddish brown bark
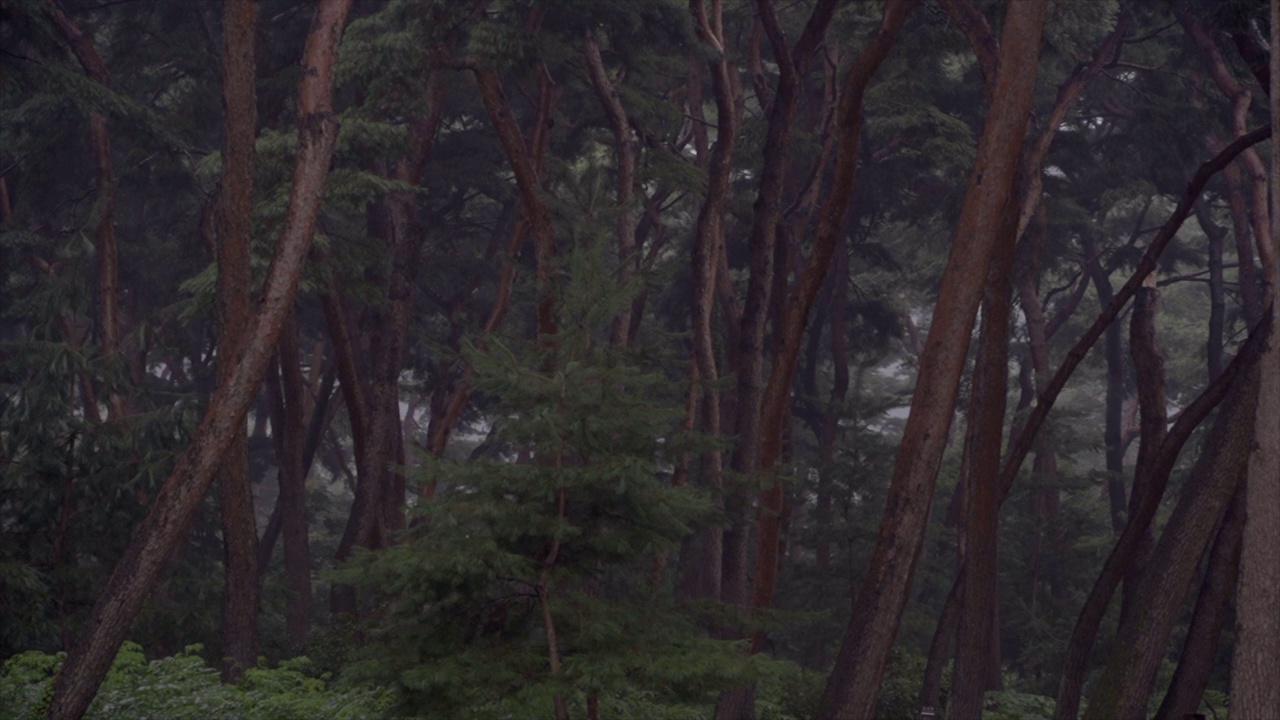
1216, 236
1246, 271
350, 380
1148, 363
535, 211
1241, 99
161, 531
233, 219
853, 688
751, 419
448, 403
978, 640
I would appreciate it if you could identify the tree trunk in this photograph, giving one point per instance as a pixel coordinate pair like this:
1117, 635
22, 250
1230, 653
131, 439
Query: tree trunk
1124, 552
978, 639
1148, 364
1114, 422
293, 491
235, 285
624, 150
1200, 651
1254, 690
750, 351
711, 565
1127, 681
377, 511
161, 531
853, 687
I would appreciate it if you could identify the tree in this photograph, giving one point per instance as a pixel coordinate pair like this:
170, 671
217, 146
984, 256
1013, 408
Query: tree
234, 215
1257, 649
168, 517
852, 688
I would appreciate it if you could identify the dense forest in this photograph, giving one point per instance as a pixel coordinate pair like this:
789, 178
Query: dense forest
638, 359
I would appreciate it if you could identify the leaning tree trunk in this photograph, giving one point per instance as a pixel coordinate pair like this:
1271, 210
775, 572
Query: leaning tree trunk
162, 530
1254, 690
1122, 556
1200, 651
1126, 684
853, 687
235, 285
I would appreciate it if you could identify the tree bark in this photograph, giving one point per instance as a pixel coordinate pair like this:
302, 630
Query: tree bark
1254, 690
1200, 651
162, 530
853, 687
1216, 235
1126, 684
624, 150
1124, 551
750, 425
712, 563
1148, 364
978, 640
235, 285
293, 491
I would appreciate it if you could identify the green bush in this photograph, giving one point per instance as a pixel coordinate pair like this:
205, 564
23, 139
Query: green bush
184, 686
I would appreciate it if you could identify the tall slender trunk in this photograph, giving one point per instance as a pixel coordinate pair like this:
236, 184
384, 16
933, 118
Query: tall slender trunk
853, 687
978, 640
293, 491
1114, 417
711, 566
162, 530
233, 220
753, 423
1254, 690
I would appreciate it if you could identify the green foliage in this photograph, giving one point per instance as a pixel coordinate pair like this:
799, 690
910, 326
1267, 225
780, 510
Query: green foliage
1014, 705
183, 686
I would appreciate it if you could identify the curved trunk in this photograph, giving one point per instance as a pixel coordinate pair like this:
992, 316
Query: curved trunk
162, 530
